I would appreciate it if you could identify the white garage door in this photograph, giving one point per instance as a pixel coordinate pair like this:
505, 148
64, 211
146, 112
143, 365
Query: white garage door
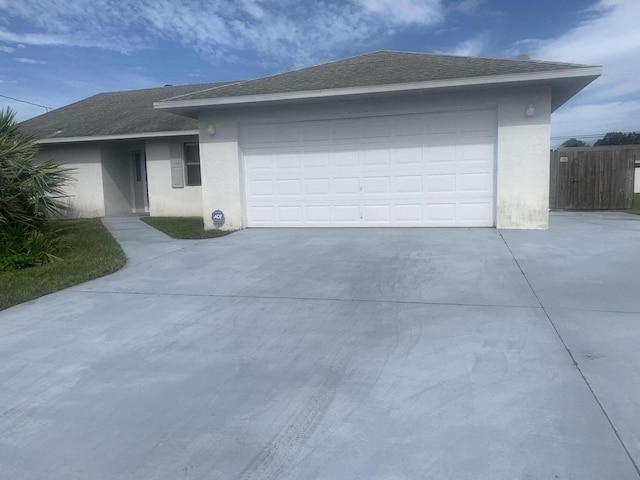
393, 171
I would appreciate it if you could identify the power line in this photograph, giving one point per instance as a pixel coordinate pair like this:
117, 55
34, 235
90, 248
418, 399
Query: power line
578, 136
30, 103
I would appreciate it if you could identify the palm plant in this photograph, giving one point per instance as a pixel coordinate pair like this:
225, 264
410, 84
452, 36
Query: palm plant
30, 193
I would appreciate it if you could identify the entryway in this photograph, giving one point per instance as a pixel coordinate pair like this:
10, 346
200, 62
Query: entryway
139, 188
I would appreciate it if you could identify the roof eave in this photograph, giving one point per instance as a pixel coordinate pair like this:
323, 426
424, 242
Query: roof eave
586, 74
123, 136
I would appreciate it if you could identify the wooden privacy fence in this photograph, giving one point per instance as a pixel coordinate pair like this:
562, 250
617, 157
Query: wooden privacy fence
592, 178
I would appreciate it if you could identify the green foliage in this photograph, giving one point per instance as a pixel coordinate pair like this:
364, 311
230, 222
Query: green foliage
30, 194
619, 138
88, 251
573, 142
24, 247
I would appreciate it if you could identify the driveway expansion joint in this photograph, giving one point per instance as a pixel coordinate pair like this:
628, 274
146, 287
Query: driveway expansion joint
573, 360
309, 299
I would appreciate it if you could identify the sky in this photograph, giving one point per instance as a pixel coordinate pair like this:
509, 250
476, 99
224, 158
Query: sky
56, 52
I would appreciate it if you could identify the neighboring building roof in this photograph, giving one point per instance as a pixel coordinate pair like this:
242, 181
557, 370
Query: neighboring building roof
114, 114
379, 72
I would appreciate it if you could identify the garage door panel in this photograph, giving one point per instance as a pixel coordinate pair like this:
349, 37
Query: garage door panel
475, 183
441, 123
290, 214
407, 155
345, 130
408, 213
376, 127
259, 162
315, 132
317, 186
289, 187
375, 185
318, 214
477, 123
444, 183
474, 211
440, 213
315, 160
346, 213
263, 214
284, 160
348, 158
408, 126
288, 133
476, 153
349, 186
375, 156
409, 170
409, 184
376, 213
440, 154
260, 187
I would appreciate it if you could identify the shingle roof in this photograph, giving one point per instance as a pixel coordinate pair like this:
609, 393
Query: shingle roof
132, 112
378, 68
115, 113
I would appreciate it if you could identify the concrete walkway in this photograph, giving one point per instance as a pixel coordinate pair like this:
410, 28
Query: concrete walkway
335, 354
141, 242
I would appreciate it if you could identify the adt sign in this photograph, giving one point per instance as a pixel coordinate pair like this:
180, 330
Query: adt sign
218, 218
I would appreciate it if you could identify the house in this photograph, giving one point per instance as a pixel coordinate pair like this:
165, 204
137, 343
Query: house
386, 139
120, 149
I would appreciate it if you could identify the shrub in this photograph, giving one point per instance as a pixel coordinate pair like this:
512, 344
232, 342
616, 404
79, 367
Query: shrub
30, 193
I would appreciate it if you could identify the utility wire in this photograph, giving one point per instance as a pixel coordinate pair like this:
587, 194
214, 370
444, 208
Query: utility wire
30, 103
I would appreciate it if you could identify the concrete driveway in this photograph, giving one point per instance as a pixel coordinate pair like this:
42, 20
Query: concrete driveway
335, 354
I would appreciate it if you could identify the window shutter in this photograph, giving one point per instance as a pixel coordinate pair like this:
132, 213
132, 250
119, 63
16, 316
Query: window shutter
177, 170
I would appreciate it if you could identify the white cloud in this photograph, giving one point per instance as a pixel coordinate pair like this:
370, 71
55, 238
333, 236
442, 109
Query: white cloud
473, 47
609, 36
280, 31
6, 49
30, 60
473, 7
425, 12
466, 6
595, 120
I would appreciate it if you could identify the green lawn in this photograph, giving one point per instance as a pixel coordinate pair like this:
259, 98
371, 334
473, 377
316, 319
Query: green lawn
183, 227
636, 205
90, 252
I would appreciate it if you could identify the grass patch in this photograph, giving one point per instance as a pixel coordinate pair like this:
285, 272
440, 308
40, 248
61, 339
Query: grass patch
636, 205
183, 227
90, 252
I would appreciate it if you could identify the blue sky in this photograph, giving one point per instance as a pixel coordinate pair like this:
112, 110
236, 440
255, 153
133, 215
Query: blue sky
55, 52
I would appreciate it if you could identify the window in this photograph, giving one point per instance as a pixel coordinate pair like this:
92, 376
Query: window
138, 164
192, 163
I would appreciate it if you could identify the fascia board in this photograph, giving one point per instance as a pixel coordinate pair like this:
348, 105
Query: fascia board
125, 136
403, 87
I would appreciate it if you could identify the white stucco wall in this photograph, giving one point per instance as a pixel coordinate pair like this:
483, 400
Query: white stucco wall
522, 173
636, 185
116, 179
524, 142
86, 194
164, 200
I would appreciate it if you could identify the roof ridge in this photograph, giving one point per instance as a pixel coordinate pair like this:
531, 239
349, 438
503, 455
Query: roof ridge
223, 84
287, 72
531, 60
